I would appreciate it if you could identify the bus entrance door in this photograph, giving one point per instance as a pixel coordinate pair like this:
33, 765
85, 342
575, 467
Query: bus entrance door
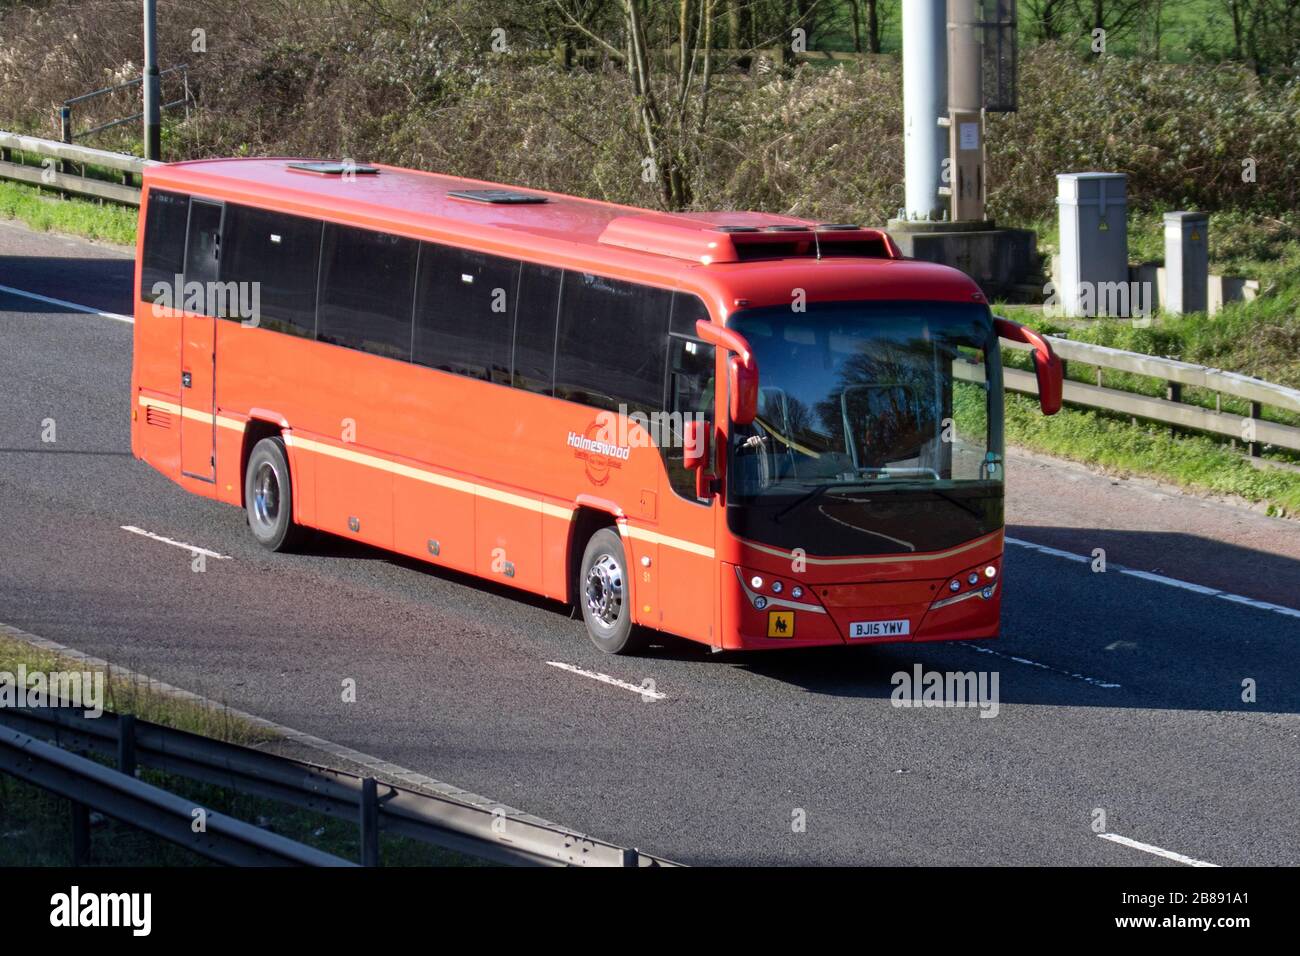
198, 343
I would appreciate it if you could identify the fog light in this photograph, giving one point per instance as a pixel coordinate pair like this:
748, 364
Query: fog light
756, 582
776, 587
973, 579
986, 593
990, 572
760, 602
954, 586
796, 592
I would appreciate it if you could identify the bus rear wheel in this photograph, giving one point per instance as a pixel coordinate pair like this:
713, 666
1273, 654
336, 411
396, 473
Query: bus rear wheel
604, 595
268, 496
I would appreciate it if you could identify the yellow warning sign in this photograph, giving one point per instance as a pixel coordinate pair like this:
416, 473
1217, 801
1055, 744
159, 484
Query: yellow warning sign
1196, 236
780, 623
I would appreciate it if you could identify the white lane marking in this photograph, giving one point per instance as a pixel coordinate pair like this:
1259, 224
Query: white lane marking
612, 681
64, 304
1158, 851
193, 549
1094, 681
1162, 579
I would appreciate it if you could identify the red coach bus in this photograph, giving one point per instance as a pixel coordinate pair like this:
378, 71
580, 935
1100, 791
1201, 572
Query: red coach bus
744, 429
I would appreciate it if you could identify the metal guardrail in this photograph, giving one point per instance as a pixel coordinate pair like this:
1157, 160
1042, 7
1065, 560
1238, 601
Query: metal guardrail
91, 785
1170, 410
58, 160
65, 111
376, 805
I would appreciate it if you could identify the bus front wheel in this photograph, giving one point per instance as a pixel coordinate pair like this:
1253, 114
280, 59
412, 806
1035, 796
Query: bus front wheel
604, 595
268, 496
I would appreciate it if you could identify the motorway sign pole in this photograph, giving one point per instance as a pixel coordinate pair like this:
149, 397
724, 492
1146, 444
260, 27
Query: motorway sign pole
152, 119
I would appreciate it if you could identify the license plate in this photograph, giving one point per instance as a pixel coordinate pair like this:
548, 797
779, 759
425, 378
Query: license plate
880, 628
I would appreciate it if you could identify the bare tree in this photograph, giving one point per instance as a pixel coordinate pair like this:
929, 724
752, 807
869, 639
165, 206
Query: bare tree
1112, 16
1266, 34
1049, 18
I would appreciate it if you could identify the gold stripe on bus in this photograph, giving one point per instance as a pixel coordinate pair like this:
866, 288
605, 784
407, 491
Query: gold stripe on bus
430, 477
193, 414
654, 537
483, 491
882, 559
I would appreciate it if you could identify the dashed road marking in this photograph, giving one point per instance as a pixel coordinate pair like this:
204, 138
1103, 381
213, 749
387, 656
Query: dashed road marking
612, 681
1162, 579
64, 304
1158, 851
192, 548
1094, 681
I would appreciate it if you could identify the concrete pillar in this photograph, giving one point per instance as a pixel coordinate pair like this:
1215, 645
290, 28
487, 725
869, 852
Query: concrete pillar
925, 101
1093, 209
966, 109
1187, 262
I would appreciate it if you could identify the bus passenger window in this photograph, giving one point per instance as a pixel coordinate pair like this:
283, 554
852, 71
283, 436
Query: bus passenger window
164, 240
463, 312
280, 254
534, 342
610, 349
367, 282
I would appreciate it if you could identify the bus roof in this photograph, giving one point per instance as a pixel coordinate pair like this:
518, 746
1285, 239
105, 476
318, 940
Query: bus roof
711, 253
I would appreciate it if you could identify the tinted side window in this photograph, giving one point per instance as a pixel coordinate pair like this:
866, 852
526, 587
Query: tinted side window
164, 240
367, 282
535, 311
280, 253
610, 349
687, 310
462, 312
690, 393
203, 244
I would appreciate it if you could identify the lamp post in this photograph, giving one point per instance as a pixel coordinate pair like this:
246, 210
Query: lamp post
152, 112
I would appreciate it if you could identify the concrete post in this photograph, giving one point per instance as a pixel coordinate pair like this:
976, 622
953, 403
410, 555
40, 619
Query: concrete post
925, 102
1093, 209
966, 109
1187, 262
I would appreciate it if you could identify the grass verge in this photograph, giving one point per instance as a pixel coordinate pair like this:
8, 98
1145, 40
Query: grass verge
1194, 462
48, 212
35, 826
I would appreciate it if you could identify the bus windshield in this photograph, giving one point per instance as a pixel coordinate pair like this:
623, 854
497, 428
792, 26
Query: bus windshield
879, 428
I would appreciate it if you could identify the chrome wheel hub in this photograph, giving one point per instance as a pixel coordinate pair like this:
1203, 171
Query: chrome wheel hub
604, 589
266, 495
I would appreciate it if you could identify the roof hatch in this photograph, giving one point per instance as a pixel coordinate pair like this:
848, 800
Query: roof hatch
334, 169
507, 197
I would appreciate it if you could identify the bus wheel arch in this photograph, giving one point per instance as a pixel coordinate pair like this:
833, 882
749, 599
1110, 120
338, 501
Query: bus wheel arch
269, 496
601, 582
254, 432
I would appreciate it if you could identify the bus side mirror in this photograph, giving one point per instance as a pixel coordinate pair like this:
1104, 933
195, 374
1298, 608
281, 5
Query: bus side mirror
1047, 365
742, 370
742, 381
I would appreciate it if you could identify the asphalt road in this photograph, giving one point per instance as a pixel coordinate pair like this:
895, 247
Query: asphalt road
1117, 692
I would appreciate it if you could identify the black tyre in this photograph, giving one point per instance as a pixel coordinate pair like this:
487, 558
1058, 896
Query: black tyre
604, 595
268, 496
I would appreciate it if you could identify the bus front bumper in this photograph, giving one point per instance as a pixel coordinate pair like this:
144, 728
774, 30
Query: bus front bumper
763, 613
